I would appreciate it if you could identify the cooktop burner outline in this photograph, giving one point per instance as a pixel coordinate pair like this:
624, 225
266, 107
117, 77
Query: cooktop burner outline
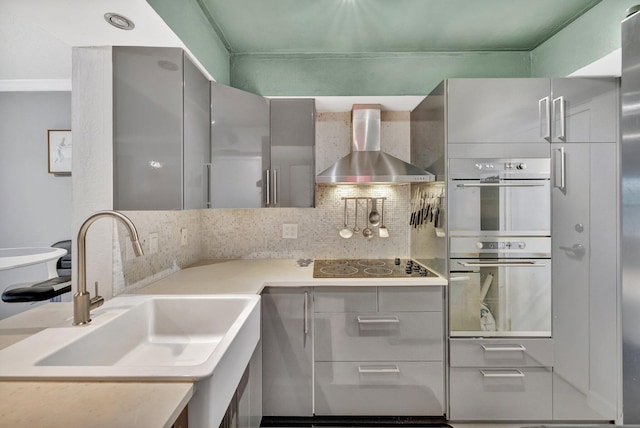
371, 262
378, 271
339, 270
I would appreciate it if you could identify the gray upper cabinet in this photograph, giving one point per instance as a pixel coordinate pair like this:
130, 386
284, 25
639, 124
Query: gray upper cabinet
159, 115
239, 148
524, 110
196, 143
585, 110
292, 166
263, 152
496, 110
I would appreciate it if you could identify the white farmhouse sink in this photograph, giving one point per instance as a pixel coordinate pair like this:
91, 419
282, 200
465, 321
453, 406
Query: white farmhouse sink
143, 338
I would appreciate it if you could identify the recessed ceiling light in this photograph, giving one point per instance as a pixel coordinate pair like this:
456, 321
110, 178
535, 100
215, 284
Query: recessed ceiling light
119, 21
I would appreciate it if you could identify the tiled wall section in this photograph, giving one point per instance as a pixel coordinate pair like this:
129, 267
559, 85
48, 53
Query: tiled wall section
134, 272
251, 233
257, 233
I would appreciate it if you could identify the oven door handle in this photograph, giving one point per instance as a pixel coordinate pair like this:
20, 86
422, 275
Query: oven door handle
503, 264
501, 184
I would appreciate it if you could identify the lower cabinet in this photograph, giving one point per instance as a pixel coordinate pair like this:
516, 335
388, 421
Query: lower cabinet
500, 394
379, 351
353, 351
393, 388
500, 379
287, 358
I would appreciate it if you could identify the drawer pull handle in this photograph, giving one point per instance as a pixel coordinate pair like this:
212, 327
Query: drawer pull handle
514, 373
518, 348
378, 320
379, 369
463, 185
502, 264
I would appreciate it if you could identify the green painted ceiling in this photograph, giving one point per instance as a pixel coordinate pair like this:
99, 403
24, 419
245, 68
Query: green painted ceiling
370, 26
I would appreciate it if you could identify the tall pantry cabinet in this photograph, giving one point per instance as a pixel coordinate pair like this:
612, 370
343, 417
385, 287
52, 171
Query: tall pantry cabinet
574, 122
585, 290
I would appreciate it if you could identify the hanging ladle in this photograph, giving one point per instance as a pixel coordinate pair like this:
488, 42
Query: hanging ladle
345, 232
383, 231
374, 215
356, 229
367, 232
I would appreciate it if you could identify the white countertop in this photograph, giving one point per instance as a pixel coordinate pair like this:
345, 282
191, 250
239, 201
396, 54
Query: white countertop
86, 404
98, 404
251, 276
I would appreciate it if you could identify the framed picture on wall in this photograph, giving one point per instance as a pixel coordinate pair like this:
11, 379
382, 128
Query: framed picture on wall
60, 151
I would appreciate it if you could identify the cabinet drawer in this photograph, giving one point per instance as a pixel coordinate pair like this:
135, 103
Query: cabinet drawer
500, 394
501, 352
407, 299
345, 299
389, 388
405, 336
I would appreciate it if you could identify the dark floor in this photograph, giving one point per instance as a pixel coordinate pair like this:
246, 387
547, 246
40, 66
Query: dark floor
356, 422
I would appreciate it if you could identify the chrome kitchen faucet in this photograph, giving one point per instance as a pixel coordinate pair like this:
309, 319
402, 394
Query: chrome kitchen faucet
82, 301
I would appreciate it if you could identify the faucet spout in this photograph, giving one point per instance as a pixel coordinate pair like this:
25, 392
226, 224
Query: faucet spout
82, 301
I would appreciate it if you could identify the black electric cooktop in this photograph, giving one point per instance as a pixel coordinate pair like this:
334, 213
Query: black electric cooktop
370, 268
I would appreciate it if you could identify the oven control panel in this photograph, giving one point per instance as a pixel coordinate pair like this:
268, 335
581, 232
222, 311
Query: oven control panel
529, 168
525, 246
501, 245
507, 166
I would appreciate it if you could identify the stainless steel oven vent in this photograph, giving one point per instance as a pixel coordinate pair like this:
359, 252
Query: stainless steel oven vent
367, 163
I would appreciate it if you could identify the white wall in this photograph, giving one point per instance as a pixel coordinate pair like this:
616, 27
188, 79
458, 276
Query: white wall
35, 206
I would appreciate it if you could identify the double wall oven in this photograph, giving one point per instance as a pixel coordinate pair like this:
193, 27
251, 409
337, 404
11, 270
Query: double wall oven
500, 247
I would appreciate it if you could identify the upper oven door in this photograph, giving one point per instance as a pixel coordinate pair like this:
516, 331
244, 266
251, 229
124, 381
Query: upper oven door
499, 197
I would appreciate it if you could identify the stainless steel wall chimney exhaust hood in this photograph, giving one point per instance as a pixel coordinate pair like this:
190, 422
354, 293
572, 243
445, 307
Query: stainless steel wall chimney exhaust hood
366, 164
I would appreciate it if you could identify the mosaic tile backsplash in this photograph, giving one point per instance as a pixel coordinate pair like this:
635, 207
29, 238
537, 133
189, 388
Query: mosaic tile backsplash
257, 233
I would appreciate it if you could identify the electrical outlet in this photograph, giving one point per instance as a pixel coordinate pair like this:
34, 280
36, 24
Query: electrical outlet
290, 231
153, 243
184, 236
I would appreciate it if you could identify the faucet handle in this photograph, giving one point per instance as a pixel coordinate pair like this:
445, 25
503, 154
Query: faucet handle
97, 300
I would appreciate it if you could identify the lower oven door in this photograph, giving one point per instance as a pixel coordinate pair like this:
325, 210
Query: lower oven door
500, 298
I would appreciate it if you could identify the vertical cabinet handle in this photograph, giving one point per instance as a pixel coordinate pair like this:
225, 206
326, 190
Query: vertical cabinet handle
544, 118
306, 313
275, 187
207, 188
562, 182
561, 133
267, 188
